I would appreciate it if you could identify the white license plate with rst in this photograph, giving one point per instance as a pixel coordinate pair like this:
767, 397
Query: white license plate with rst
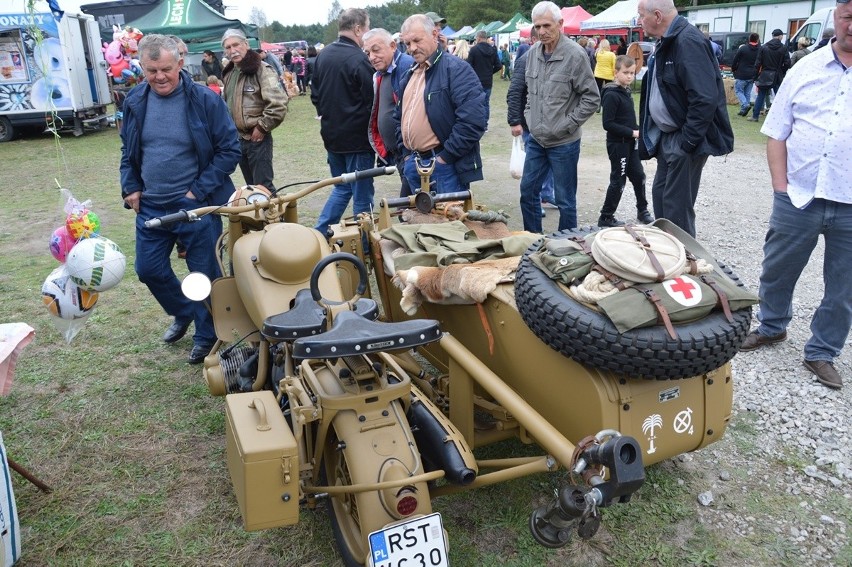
419, 542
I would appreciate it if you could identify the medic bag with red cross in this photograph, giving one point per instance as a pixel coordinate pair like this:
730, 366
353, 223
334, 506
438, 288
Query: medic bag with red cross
662, 262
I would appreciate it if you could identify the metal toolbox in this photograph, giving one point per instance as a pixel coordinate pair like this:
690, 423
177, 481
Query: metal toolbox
262, 460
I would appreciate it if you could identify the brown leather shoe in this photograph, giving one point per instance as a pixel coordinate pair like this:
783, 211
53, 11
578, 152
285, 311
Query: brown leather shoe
825, 373
755, 340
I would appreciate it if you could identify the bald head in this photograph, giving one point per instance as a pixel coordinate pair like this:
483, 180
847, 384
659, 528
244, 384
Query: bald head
655, 16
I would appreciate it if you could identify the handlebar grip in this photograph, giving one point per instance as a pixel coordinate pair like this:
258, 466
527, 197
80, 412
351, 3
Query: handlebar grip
168, 220
368, 173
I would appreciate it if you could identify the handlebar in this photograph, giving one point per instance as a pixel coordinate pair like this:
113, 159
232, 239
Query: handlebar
368, 173
278, 200
168, 220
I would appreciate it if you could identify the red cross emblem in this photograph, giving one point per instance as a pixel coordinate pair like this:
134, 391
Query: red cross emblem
683, 290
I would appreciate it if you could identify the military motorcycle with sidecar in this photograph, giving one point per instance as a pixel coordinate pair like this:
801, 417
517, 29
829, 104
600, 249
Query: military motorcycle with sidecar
328, 396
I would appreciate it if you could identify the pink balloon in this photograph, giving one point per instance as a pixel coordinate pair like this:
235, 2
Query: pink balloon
61, 243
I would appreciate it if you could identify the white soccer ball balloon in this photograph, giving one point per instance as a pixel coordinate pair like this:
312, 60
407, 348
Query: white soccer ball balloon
96, 264
64, 299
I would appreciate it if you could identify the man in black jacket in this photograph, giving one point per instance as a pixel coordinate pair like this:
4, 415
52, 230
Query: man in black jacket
772, 62
683, 111
485, 62
342, 92
744, 68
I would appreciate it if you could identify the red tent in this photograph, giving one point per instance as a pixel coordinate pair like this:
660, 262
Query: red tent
571, 18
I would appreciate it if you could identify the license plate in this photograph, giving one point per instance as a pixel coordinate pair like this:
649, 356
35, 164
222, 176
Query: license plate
415, 542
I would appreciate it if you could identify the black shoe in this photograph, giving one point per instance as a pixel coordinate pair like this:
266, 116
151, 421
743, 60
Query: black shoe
755, 340
175, 332
197, 354
743, 112
609, 220
645, 217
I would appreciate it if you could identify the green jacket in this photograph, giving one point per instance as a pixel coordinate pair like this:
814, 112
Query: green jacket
561, 93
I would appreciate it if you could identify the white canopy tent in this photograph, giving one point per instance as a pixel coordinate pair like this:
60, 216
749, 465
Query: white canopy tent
620, 15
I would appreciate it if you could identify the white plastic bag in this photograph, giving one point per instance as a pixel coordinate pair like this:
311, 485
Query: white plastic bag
516, 162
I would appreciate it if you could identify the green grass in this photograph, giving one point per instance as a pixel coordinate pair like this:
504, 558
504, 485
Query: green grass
133, 445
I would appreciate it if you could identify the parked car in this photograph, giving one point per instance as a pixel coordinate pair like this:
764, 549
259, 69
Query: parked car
729, 42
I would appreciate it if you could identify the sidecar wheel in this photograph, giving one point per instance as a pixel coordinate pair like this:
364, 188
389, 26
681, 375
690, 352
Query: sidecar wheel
589, 337
343, 509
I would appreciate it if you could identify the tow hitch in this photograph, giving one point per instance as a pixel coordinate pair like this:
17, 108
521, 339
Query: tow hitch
578, 506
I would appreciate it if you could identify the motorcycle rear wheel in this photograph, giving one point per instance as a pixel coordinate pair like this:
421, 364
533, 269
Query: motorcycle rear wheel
343, 509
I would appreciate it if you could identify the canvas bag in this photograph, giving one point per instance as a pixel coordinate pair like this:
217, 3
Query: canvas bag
686, 298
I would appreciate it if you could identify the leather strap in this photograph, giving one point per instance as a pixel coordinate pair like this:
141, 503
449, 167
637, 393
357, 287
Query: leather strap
615, 280
483, 318
661, 310
587, 250
661, 274
723, 298
693, 263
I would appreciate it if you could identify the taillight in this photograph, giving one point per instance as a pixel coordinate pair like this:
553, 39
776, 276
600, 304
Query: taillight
406, 505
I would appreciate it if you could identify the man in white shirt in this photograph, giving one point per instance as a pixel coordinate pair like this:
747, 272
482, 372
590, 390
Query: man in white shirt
808, 150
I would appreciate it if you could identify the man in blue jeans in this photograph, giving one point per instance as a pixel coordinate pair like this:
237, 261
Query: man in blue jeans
179, 147
561, 96
342, 92
441, 116
808, 155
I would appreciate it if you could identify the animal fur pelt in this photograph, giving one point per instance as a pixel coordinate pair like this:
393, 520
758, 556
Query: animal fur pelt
483, 230
468, 283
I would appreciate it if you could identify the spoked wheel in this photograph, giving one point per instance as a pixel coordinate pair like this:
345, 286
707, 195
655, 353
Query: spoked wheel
343, 508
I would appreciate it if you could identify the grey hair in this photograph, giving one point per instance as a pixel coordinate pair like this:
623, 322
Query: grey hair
543, 8
481, 34
154, 44
665, 7
421, 20
352, 17
180, 43
381, 33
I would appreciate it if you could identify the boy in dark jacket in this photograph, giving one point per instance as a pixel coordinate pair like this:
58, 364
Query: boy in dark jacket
622, 134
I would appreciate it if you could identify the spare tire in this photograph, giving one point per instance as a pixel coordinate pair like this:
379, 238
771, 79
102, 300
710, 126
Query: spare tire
589, 337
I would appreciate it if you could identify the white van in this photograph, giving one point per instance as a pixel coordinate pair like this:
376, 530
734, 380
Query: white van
813, 28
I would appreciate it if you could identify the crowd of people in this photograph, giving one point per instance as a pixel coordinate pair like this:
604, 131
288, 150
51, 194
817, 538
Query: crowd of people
406, 100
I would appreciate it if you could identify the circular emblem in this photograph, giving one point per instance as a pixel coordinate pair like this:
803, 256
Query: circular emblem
684, 290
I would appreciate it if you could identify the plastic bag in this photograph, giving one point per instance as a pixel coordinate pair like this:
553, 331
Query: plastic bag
516, 162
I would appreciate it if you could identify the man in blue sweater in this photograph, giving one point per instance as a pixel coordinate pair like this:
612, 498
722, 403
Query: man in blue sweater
179, 147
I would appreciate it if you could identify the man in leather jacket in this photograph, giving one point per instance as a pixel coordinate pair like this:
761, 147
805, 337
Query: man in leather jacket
257, 104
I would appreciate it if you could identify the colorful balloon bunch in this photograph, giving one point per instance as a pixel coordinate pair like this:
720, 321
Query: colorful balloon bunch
90, 264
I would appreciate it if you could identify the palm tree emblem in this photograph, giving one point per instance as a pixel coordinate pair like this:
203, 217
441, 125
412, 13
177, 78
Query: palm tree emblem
651, 423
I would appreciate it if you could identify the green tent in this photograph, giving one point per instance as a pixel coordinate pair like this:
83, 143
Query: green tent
513, 24
493, 27
196, 23
472, 33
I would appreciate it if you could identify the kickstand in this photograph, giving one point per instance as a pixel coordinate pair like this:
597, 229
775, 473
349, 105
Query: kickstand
28, 475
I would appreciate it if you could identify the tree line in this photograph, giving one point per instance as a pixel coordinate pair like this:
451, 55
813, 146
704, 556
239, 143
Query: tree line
391, 15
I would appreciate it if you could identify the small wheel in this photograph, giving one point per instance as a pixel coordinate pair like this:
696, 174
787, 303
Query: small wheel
7, 132
316, 294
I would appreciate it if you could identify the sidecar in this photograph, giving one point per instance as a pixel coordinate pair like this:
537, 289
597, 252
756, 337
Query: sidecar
325, 403
667, 414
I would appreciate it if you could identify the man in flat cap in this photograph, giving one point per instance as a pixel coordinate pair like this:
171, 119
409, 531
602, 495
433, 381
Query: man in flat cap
440, 22
257, 104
